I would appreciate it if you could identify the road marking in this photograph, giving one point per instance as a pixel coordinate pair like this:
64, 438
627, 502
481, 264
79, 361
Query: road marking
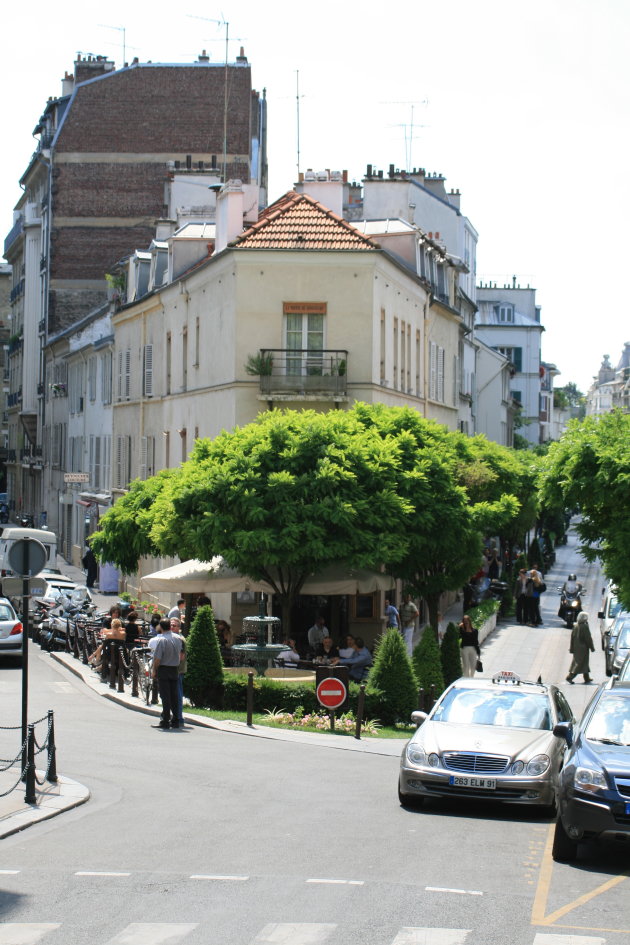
424, 936
338, 882
99, 873
153, 933
544, 884
295, 933
235, 879
9, 872
542, 938
25, 933
460, 892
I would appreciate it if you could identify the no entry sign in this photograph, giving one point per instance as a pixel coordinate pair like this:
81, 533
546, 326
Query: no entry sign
331, 693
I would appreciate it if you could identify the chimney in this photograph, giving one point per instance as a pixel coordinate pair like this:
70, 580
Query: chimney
90, 67
67, 84
229, 214
204, 57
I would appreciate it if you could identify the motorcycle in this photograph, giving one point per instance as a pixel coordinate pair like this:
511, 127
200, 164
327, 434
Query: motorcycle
570, 605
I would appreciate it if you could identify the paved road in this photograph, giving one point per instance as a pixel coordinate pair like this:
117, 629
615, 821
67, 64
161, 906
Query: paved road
209, 838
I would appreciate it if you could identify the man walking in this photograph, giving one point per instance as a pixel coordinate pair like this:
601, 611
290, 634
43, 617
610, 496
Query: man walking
392, 616
166, 658
408, 614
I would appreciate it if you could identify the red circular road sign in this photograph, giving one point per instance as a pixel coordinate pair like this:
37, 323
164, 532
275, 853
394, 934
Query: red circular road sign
331, 693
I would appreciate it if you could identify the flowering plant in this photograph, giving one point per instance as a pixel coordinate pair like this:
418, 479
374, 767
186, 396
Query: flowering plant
320, 721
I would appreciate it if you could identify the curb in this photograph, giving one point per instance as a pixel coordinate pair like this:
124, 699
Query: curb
64, 795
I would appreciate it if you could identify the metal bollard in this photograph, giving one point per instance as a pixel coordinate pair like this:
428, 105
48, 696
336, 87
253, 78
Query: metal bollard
75, 641
134, 673
112, 667
121, 671
250, 699
52, 748
30, 797
84, 648
105, 659
360, 710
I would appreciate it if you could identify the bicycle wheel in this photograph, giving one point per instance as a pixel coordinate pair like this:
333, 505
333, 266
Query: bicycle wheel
144, 677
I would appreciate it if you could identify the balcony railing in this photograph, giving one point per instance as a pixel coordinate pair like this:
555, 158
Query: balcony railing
17, 290
301, 372
11, 455
14, 233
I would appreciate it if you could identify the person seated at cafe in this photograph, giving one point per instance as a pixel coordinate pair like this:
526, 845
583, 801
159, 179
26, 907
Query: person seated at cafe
359, 663
132, 629
223, 633
114, 613
347, 649
154, 623
326, 649
115, 632
317, 632
290, 655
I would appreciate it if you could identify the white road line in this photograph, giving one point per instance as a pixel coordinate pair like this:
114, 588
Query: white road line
545, 938
9, 872
338, 882
25, 933
294, 933
234, 879
153, 933
459, 892
425, 936
99, 873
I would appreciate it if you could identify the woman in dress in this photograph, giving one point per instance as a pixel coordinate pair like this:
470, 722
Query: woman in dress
581, 644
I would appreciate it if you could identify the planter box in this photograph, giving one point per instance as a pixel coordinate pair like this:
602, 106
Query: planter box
487, 627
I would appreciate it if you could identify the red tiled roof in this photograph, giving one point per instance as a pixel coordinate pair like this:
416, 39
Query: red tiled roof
296, 221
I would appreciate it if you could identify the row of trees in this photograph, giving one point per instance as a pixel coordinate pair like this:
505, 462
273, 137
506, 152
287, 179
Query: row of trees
589, 469
295, 491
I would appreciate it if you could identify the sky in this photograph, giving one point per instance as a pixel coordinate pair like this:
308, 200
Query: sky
523, 107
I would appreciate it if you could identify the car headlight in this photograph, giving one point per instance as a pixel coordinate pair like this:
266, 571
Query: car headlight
518, 767
434, 760
590, 779
416, 755
538, 765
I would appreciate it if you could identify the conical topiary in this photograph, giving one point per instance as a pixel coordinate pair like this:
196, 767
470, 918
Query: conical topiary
203, 682
427, 664
393, 674
451, 654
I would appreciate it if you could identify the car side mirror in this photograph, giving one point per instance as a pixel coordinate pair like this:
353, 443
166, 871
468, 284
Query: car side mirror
418, 718
564, 730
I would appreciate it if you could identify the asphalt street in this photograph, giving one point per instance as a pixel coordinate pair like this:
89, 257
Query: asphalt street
210, 837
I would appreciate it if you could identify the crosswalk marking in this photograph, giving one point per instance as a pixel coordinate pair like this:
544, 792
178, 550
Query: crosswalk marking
424, 936
234, 879
460, 892
24, 933
99, 873
9, 872
294, 933
338, 882
546, 938
153, 933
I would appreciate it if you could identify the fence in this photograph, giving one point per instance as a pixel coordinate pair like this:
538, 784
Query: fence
26, 758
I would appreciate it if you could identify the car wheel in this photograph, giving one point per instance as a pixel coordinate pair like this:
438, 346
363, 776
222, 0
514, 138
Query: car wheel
409, 801
608, 672
564, 849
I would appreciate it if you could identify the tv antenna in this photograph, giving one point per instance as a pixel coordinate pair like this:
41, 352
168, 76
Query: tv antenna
409, 128
123, 30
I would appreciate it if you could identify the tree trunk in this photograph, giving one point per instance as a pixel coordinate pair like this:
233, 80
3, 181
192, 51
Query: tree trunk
433, 605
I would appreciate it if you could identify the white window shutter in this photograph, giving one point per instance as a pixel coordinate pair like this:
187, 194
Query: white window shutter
127, 373
148, 370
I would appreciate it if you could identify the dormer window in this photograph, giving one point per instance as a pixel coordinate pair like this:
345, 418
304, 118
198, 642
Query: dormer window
506, 313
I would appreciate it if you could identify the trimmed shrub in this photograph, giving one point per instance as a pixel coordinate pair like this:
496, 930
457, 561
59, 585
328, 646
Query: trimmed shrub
451, 654
393, 674
203, 682
275, 694
534, 554
427, 664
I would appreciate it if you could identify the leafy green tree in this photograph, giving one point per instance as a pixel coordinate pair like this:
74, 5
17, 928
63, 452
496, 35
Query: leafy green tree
427, 663
203, 682
534, 553
393, 674
451, 654
590, 468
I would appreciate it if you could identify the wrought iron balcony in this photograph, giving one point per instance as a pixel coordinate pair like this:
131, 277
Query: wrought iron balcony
303, 372
11, 456
14, 233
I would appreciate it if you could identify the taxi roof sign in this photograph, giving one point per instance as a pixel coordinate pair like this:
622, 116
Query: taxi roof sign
508, 677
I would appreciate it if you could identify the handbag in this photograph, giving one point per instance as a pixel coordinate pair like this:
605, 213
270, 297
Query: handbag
479, 666
542, 588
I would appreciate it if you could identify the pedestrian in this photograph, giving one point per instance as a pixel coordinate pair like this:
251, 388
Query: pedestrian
521, 595
469, 642
175, 629
317, 632
392, 617
581, 643
408, 614
178, 610
165, 668
90, 564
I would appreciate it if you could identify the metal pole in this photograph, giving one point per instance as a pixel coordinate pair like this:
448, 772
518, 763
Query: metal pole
360, 709
25, 603
52, 748
332, 720
250, 699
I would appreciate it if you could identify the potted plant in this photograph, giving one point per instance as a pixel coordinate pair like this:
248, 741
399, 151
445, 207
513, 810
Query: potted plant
259, 364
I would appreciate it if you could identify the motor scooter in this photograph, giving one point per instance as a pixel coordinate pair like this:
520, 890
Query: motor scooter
570, 605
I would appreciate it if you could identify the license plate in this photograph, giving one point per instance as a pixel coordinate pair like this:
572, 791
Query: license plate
483, 784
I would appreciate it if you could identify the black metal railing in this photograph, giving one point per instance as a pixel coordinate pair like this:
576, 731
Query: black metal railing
14, 233
302, 371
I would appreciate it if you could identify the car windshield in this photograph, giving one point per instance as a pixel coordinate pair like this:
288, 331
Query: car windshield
610, 722
506, 707
624, 637
5, 613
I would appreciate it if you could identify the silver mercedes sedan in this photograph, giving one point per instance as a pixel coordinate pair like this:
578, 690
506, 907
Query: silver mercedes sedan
489, 738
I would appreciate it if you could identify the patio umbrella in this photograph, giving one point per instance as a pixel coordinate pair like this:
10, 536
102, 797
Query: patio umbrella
199, 577
340, 579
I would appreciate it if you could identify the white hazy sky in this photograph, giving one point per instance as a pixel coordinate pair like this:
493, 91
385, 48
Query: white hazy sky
523, 106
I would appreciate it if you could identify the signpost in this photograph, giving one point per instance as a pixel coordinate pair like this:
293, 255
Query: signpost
331, 694
27, 557
76, 477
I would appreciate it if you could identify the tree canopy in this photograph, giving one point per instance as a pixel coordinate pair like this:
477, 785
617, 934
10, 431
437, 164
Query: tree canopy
589, 468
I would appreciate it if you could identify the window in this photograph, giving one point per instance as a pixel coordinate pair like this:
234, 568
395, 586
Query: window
76, 382
147, 456
122, 467
147, 371
515, 355
168, 362
436, 372
92, 365
505, 312
124, 374
304, 333
185, 359
517, 395
106, 377
99, 462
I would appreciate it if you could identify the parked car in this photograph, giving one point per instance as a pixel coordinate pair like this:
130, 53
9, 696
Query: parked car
10, 630
624, 672
616, 627
487, 738
611, 608
594, 784
622, 647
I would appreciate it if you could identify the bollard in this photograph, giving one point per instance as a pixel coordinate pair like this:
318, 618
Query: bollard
332, 720
112, 666
250, 699
105, 658
30, 796
134, 673
121, 674
84, 649
360, 710
52, 748
75, 640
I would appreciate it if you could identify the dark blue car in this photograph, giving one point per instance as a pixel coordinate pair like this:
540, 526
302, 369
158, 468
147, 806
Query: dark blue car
594, 783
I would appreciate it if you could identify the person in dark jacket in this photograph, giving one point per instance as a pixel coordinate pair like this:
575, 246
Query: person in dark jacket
469, 642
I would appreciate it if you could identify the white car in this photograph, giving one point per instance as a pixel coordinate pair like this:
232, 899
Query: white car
611, 608
10, 630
